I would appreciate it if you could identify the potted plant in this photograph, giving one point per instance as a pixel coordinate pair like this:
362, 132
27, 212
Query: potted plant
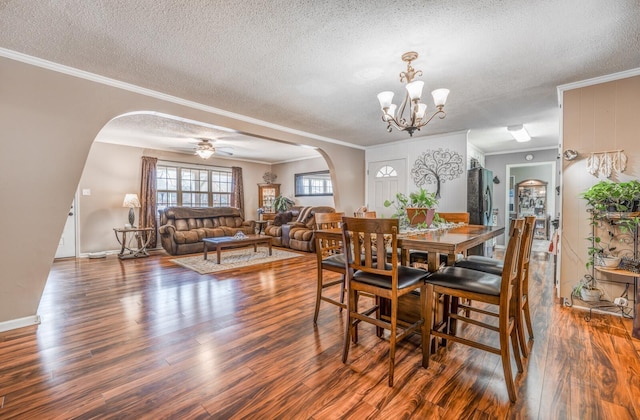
416, 209
282, 203
587, 290
613, 197
600, 252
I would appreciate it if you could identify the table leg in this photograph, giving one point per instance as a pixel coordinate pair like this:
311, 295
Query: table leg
206, 248
255, 247
218, 249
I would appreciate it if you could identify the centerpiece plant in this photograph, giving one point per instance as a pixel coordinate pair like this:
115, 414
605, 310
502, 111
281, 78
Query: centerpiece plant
416, 209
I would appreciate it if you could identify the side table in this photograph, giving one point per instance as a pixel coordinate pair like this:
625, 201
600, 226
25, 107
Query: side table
260, 225
134, 242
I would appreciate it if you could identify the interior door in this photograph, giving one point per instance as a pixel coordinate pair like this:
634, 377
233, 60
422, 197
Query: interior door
384, 180
67, 244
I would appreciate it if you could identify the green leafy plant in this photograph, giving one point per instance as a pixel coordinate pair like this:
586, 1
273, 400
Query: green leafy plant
421, 199
612, 196
282, 203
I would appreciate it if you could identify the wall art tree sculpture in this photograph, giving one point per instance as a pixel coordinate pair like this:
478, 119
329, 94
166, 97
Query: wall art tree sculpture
437, 167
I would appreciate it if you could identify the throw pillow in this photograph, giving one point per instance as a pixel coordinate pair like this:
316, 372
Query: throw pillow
282, 218
304, 215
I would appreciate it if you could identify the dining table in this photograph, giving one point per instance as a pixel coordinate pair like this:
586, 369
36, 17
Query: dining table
450, 241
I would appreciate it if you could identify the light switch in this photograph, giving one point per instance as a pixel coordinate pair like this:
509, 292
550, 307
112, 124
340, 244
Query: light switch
86, 191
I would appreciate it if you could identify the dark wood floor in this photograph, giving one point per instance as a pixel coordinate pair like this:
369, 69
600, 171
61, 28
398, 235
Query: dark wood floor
149, 339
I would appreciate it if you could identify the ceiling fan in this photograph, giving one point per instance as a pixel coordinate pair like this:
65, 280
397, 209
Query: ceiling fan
205, 149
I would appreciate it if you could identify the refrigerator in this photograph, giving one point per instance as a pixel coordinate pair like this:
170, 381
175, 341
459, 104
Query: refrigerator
480, 205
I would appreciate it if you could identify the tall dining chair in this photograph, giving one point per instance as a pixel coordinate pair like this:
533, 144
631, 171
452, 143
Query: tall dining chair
495, 266
329, 257
463, 283
365, 243
366, 214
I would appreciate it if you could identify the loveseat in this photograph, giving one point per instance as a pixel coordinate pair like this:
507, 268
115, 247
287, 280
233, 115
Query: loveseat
294, 228
183, 228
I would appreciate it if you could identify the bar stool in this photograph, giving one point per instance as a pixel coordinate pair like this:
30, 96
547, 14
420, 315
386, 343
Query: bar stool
329, 256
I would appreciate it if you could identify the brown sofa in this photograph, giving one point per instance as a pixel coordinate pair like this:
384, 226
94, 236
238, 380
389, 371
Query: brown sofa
183, 228
293, 230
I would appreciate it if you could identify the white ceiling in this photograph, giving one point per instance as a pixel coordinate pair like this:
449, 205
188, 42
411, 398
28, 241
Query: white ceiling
316, 66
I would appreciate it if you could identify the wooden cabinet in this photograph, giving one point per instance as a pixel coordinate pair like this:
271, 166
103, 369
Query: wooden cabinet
532, 201
266, 194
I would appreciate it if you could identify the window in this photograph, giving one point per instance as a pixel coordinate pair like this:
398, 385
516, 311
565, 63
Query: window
313, 183
193, 186
386, 172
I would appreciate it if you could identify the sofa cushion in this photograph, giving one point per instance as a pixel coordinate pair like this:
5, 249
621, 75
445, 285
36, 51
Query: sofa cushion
187, 236
305, 215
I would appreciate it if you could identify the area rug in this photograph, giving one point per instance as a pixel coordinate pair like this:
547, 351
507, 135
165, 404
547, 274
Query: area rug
231, 259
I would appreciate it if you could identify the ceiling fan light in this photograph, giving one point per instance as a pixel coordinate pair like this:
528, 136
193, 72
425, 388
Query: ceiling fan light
440, 96
385, 99
415, 89
205, 153
519, 133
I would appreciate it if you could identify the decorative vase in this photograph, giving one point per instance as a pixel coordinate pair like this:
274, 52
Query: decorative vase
418, 215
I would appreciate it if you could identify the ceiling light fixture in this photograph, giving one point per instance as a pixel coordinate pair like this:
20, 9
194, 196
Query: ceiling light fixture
416, 117
519, 133
205, 149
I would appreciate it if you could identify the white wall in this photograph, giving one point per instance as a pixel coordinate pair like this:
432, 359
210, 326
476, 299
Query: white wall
453, 193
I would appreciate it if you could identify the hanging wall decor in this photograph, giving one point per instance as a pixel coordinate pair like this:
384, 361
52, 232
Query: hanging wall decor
435, 167
607, 163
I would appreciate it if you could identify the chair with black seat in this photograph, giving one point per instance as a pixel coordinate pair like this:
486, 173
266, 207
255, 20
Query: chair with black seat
495, 266
463, 283
329, 256
366, 242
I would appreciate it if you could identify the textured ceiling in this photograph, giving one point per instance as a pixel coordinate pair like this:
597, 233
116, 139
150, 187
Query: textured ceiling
317, 66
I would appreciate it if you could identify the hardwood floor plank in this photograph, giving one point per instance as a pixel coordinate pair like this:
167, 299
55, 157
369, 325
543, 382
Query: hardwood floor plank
149, 339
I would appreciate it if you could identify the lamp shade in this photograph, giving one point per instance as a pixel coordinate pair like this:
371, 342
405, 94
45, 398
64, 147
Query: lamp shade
415, 89
131, 200
385, 99
440, 96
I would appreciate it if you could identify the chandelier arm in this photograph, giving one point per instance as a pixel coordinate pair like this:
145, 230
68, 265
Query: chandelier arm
438, 112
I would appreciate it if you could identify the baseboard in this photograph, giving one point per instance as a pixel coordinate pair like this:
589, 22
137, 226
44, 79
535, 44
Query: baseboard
19, 323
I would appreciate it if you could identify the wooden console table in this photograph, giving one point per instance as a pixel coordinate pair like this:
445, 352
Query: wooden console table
131, 248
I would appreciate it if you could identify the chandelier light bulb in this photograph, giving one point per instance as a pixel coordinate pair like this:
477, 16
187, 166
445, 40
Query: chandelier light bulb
422, 109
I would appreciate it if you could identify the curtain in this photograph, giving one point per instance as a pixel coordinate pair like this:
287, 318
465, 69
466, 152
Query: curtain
148, 194
237, 199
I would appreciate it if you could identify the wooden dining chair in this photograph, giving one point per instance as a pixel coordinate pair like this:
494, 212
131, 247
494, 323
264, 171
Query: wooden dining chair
366, 214
329, 257
454, 217
495, 266
463, 283
368, 272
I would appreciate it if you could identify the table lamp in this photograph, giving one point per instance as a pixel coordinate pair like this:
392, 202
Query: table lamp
131, 201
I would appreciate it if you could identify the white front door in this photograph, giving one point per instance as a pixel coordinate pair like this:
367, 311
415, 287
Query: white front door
384, 180
67, 245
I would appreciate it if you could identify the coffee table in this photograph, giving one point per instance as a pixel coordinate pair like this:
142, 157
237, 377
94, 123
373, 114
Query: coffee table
222, 242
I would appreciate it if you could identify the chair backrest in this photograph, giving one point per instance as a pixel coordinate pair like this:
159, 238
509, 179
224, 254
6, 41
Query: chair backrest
510, 273
328, 220
455, 217
527, 243
328, 246
372, 237
365, 214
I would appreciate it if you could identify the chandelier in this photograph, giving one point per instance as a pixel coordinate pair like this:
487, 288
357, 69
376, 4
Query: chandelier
205, 149
416, 112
